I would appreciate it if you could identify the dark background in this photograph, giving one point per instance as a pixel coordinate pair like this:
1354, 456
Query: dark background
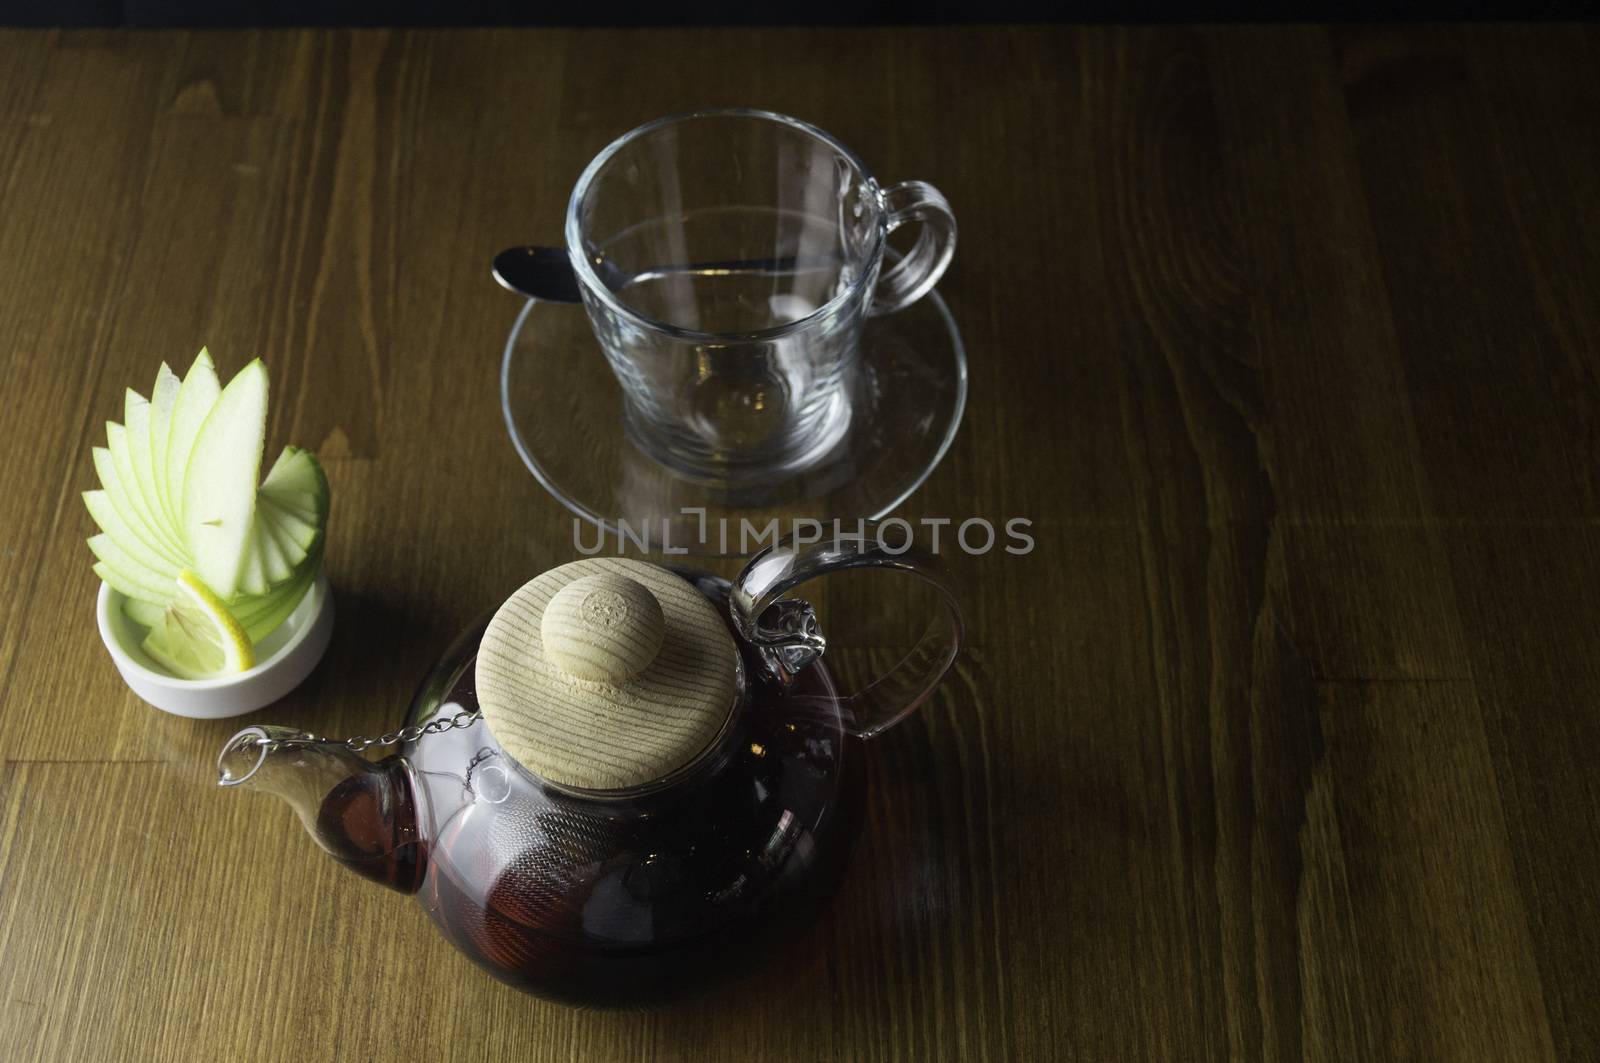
155, 13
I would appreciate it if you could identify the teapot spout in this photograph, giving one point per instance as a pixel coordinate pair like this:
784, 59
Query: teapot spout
362, 813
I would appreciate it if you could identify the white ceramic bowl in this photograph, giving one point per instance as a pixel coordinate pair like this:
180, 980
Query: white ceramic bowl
285, 657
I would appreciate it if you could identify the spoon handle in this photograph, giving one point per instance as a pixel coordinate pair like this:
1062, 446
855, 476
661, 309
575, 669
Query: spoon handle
546, 272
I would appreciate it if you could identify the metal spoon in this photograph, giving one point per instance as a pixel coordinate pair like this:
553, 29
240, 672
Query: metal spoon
546, 272
539, 273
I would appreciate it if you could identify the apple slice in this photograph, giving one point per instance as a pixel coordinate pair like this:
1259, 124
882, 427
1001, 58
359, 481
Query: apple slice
252, 569
275, 608
219, 488
163, 397
130, 577
143, 613
301, 531
280, 541
298, 505
295, 493
196, 396
274, 563
297, 486
258, 615
254, 614
251, 609
271, 557
284, 456
131, 591
138, 514
293, 553
270, 621
113, 526
298, 474
136, 431
117, 494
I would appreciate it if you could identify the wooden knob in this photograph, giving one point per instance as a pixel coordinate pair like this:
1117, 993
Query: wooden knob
604, 628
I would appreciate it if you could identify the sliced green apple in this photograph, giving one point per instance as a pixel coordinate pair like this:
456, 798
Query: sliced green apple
117, 492
298, 529
146, 614
131, 578
131, 591
219, 488
112, 525
291, 506
128, 487
309, 505
282, 608
259, 617
196, 396
276, 607
277, 466
163, 397
292, 551
136, 431
252, 568
297, 473
274, 563
178, 490
297, 505
251, 612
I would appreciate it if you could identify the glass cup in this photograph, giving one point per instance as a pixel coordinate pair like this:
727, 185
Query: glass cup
727, 260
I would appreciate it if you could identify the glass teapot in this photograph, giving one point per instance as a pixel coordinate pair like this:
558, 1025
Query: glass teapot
628, 782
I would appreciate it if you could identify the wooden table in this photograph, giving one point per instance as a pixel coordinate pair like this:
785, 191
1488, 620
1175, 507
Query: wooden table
1281, 743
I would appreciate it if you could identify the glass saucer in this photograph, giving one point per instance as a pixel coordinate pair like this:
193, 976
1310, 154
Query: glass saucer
565, 412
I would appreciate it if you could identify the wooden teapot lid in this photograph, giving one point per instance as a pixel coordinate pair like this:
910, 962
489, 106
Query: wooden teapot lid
606, 674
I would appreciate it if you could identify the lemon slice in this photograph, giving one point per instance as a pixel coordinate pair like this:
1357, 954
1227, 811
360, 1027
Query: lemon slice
197, 638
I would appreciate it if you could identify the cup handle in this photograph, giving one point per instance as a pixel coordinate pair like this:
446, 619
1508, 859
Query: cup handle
785, 634
909, 279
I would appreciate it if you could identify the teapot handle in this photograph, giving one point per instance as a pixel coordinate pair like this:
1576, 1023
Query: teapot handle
785, 634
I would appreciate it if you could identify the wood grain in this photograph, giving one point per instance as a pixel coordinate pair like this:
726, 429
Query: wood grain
1279, 746
633, 722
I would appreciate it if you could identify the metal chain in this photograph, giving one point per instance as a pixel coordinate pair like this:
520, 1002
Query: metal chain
358, 743
461, 719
